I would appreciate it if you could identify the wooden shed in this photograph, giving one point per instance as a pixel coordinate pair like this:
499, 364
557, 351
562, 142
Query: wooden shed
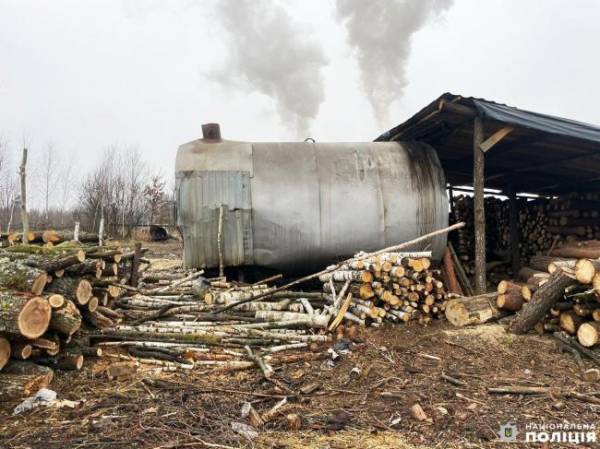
488, 145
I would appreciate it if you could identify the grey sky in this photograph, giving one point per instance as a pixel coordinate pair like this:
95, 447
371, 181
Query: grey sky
85, 74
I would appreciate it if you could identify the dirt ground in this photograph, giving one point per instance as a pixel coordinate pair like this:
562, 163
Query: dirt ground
399, 366
405, 362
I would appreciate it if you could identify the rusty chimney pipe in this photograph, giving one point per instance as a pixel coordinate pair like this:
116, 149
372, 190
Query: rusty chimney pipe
211, 131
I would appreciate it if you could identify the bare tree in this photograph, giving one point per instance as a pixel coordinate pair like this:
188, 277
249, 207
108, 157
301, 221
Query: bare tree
115, 188
65, 183
46, 171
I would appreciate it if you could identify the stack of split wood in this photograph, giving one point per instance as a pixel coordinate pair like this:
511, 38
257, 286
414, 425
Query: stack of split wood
532, 227
543, 224
396, 287
48, 295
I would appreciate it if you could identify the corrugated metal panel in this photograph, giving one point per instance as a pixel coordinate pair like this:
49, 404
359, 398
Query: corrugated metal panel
200, 196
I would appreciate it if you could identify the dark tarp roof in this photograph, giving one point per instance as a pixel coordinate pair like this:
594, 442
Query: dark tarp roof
542, 154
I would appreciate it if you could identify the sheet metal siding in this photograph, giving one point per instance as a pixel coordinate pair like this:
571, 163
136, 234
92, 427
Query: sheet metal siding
200, 195
314, 203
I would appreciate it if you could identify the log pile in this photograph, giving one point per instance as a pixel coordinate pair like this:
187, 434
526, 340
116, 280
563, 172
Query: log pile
50, 296
543, 224
557, 293
396, 287
173, 319
153, 321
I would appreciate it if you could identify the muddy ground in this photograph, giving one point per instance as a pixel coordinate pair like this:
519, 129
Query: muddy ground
399, 366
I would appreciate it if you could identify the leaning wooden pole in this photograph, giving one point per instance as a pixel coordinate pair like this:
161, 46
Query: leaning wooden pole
24, 217
478, 206
339, 264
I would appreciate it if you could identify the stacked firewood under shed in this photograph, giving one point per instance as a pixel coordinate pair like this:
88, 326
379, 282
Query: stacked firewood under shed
543, 224
49, 294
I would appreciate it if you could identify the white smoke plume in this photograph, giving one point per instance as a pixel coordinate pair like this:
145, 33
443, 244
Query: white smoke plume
380, 32
270, 53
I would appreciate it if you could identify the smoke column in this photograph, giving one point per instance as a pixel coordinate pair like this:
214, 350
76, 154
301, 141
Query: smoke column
270, 53
380, 32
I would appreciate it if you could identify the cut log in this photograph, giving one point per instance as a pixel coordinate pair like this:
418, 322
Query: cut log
577, 253
29, 369
48, 260
542, 263
562, 263
20, 277
505, 286
588, 334
585, 270
49, 343
113, 255
312, 320
511, 300
5, 351
541, 302
56, 301
77, 290
67, 319
90, 266
570, 322
527, 272
17, 386
473, 310
527, 291
66, 360
26, 316
92, 304
20, 349
64, 236
453, 285
97, 319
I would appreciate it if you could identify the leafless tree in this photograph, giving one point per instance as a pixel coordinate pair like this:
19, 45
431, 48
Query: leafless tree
8, 183
65, 185
116, 187
48, 173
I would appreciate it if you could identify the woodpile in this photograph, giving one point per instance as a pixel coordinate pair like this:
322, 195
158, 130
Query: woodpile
557, 294
543, 225
144, 319
396, 287
50, 297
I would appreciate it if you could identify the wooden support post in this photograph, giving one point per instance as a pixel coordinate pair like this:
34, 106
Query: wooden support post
76, 232
24, 216
135, 264
478, 206
101, 227
220, 242
514, 230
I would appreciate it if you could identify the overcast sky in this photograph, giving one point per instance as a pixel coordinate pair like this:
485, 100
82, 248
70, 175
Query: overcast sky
85, 74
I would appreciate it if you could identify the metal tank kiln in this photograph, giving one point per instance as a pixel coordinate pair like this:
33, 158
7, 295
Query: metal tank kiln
298, 206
